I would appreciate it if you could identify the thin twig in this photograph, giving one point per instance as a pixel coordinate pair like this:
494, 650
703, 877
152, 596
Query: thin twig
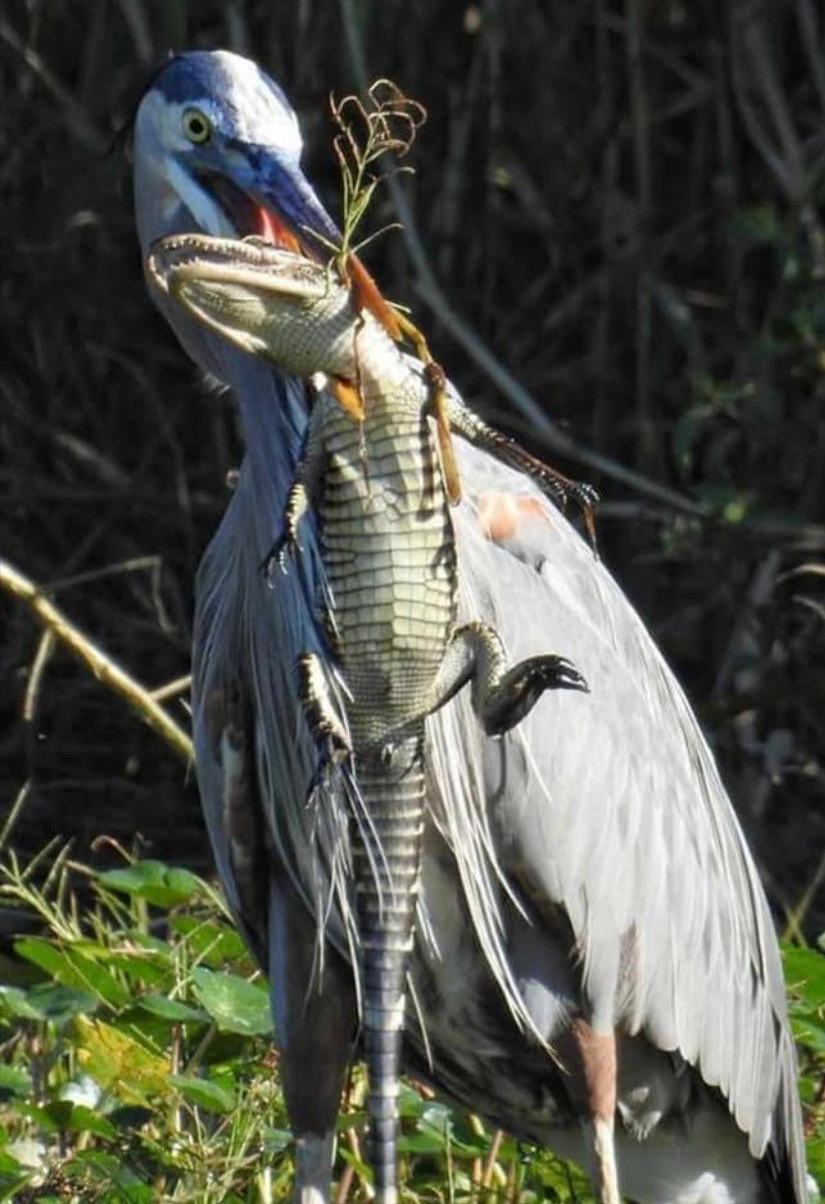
16, 807
172, 688
38, 667
747, 112
809, 30
104, 668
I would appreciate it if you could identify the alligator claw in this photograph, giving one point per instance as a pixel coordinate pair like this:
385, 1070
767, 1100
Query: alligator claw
585, 494
523, 685
278, 558
561, 674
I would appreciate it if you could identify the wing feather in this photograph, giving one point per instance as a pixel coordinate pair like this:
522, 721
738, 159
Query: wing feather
614, 808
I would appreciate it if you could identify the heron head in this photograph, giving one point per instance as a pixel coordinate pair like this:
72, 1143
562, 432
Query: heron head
217, 150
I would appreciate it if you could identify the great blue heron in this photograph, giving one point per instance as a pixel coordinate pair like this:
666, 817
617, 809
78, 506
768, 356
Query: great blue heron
584, 875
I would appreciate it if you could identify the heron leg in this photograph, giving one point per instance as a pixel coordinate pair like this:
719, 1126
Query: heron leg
327, 729
597, 1051
316, 1021
502, 696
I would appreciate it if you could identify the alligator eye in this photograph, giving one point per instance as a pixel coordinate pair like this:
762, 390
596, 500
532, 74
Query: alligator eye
196, 125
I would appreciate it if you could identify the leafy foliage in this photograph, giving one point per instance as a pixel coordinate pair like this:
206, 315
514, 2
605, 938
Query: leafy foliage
137, 1064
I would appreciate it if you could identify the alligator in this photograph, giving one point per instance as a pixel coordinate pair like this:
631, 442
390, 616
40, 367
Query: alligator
388, 551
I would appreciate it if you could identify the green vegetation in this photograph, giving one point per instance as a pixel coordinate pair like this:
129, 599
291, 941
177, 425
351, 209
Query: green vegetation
137, 1065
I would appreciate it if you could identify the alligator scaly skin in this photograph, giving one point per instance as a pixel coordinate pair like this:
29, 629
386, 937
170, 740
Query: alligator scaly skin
388, 548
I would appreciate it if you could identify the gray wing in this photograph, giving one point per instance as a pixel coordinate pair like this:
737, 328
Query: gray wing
611, 804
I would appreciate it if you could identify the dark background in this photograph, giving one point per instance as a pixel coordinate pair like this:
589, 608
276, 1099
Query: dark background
623, 198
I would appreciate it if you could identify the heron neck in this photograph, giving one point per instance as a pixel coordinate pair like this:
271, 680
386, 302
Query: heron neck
273, 416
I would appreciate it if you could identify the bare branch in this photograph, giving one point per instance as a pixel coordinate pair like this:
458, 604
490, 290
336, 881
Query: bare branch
102, 666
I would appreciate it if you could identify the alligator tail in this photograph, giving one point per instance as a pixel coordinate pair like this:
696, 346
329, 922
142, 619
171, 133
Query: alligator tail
387, 852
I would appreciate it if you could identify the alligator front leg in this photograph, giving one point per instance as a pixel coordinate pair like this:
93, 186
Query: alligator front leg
301, 494
501, 696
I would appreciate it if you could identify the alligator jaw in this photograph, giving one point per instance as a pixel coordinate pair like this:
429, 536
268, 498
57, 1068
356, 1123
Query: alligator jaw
227, 262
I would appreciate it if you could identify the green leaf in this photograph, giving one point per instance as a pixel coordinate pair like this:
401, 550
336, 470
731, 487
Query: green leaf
421, 1143
72, 968
14, 1002
143, 968
157, 883
810, 1032
48, 1001
14, 1080
171, 1009
210, 941
805, 974
110, 1169
85, 1120
275, 1141
204, 1093
236, 1006
117, 1062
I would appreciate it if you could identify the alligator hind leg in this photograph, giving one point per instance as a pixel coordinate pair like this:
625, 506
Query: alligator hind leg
502, 696
327, 729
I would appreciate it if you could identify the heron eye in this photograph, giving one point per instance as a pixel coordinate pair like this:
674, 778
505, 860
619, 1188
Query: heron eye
196, 125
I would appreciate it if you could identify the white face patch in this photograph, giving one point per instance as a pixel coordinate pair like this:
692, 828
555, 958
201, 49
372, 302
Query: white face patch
206, 212
158, 129
159, 139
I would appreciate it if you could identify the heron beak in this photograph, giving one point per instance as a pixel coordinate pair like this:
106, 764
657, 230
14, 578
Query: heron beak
273, 201
247, 214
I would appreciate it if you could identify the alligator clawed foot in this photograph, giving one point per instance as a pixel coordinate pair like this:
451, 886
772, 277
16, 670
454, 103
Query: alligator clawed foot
585, 495
559, 673
337, 751
523, 685
587, 498
278, 558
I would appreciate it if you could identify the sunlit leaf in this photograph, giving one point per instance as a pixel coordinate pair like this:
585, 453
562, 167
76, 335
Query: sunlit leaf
805, 974
204, 1093
72, 968
210, 941
163, 885
119, 1063
171, 1009
14, 1080
236, 1006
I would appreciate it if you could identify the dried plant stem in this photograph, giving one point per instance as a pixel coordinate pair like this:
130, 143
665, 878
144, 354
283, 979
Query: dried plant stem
102, 666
